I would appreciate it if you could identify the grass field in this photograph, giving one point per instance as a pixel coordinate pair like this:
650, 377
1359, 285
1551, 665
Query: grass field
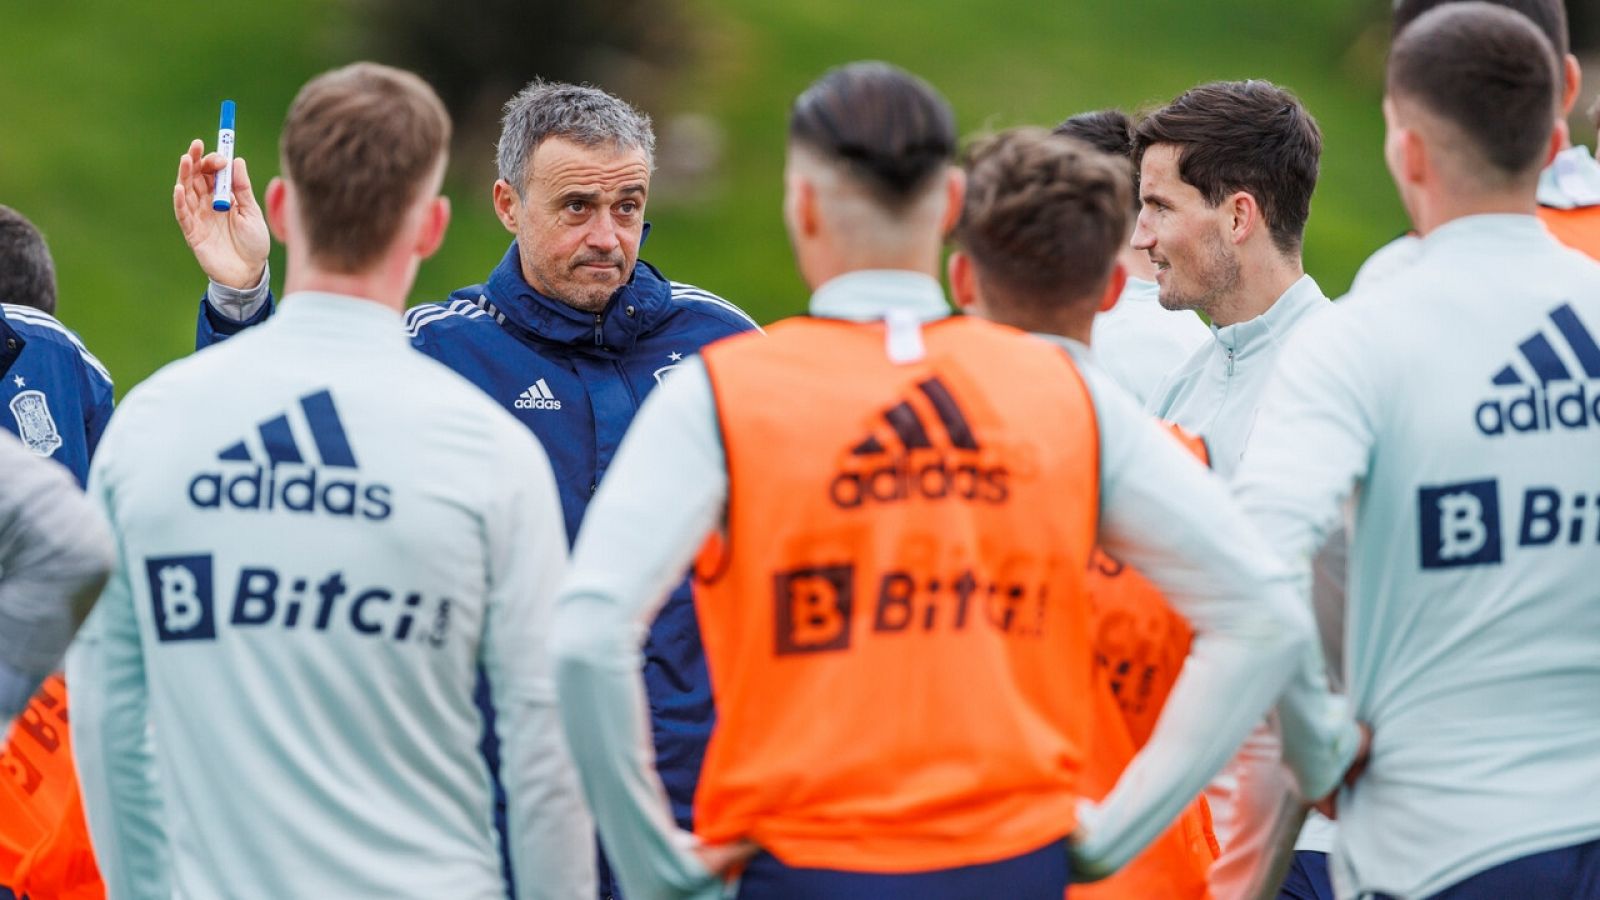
100, 97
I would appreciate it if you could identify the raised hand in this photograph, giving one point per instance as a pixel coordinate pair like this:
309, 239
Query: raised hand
231, 247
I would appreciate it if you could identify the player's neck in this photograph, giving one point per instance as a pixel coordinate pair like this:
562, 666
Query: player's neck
1445, 207
1263, 281
1070, 323
386, 284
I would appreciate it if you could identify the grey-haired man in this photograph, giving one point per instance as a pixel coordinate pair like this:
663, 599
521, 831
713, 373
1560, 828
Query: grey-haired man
569, 332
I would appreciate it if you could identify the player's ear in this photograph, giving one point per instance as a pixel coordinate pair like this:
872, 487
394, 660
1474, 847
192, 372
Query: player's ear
1415, 162
955, 193
435, 220
506, 204
1571, 84
1114, 286
963, 281
1558, 139
805, 214
278, 211
1244, 216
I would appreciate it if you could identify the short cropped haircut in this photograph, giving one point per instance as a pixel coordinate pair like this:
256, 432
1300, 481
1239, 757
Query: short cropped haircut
1250, 136
1549, 16
27, 274
1108, 130
1045, 215
580, 113
359, 145
888, 129
1488, 72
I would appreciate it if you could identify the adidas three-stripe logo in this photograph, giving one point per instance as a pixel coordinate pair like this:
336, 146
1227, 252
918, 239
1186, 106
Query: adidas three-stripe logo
537, 396
278, 441
1541, 391
281, 477
872, 472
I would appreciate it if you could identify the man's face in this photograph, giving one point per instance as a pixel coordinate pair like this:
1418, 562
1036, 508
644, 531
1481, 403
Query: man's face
1186, 238
578, 220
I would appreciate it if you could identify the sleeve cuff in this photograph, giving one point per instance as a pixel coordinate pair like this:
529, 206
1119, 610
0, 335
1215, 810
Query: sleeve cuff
238, 306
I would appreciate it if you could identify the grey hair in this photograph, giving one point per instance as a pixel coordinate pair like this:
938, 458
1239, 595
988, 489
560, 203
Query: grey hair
581, 113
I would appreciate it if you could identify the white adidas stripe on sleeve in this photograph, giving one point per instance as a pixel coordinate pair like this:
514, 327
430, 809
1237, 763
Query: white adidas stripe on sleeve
35, 317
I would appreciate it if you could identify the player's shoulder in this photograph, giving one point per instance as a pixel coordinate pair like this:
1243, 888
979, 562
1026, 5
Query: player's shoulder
698, 307
38, 326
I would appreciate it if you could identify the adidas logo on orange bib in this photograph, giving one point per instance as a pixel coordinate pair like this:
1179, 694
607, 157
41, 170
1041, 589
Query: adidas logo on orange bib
875, 473
538, 396
1545, 394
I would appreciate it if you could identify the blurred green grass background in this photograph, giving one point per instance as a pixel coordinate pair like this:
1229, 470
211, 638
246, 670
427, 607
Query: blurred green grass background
98, 98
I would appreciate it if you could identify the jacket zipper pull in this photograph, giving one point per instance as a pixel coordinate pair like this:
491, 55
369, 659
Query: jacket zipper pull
599, 333
1230, 360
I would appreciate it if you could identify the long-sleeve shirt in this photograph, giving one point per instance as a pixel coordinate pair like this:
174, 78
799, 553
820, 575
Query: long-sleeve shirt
1216, 392
574, 379
310, 575
1138, 342
1160, 512
55, 553
1455, 400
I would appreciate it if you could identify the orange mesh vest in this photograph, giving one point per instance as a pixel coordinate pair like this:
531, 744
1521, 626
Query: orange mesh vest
896, 626
1577, 228
44, 841
1141, 644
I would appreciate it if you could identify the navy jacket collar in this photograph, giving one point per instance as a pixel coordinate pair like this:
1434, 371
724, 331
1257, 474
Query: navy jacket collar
11, 344
533, 316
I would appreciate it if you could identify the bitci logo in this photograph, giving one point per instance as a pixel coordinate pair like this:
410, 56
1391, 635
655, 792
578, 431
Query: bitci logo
814, 608
180, 597
1460, 524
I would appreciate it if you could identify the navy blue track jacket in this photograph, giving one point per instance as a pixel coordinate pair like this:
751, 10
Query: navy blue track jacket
576, 379
54, 394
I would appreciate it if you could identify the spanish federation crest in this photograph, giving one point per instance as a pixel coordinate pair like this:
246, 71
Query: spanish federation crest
675, 359
34, 424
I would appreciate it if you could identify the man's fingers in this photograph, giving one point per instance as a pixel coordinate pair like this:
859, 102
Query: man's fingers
722, 859
243, 196
212, 163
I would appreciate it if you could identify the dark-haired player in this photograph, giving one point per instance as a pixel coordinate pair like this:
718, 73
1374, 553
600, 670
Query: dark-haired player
1455, 400
895, 619
1137, 341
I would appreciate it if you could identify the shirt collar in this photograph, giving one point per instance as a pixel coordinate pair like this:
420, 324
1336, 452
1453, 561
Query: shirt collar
630, 311
1494, 228
870, 294
340, 314
1302, 297
1137, 290
1572, 180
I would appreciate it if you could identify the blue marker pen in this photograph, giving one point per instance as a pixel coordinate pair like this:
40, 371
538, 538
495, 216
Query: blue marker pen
222, 197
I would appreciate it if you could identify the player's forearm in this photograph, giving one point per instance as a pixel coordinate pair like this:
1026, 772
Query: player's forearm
596, 648
116, 769
55, 553
551, 831
1230, 680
